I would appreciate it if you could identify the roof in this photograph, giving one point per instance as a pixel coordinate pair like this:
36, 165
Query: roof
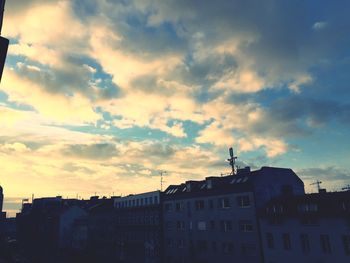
330, 204
244, 181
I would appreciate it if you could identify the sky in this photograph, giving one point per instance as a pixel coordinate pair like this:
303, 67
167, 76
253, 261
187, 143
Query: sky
97, 97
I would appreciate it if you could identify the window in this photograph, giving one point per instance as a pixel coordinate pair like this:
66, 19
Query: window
181, 243
286, 241
199, 204
211, 204
227, 248
325, 244
226, 225
245, 226
224, 202
201, 225
202, 245
168, 225
248, 249
168, 207
309, 221
156, 199
307, 208
179, 206
212, 224
213, 246
180, 225
169, 242
346, 243
277, 209
305, 243
243, 201
269, 241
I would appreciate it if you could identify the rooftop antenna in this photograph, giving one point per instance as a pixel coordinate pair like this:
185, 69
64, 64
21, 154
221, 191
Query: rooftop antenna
161, 179
318, 183
346, 188
232, 160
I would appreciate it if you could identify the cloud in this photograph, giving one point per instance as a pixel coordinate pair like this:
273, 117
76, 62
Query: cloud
93, 151
317, 26
30, 92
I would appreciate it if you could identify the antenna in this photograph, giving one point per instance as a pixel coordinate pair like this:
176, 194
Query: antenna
232, 161
318, 183
161, 179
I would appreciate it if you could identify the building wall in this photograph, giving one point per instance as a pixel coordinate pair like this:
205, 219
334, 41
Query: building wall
317, 251
67, 220
211, 229
139, 228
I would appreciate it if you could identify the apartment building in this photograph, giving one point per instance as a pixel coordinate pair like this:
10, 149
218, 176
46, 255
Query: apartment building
215, 220
311, 228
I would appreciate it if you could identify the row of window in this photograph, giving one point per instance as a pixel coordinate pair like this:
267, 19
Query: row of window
138, 220
222, 203
202, 246
137, 202
222, 225
305, 243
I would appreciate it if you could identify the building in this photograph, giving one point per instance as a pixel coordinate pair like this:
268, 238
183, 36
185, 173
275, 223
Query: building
2, 214
215, 220
139, 228
311, 228
45, 227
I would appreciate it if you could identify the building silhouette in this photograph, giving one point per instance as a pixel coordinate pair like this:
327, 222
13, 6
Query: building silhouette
249, 216
215, 220
307, 228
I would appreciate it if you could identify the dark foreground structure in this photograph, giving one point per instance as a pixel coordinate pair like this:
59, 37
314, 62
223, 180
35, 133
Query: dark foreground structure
251, 216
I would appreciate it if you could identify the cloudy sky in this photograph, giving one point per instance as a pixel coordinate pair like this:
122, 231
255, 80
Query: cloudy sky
99, 96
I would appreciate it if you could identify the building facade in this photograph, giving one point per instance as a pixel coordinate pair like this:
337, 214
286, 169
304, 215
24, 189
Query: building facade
215, 220
139, 228
312, 228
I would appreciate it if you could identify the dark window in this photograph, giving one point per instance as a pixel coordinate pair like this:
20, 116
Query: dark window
227, 248
202, 245
325, 244
167, 207
199, 204
305, 243
181, 243
270, 241
286, 241
245, 226
211, 204
169, 225
179, 206
346, 243
224, 202
214, 247
243, 201
309, 221
226, 225
212, 224
180, 225
248, 249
